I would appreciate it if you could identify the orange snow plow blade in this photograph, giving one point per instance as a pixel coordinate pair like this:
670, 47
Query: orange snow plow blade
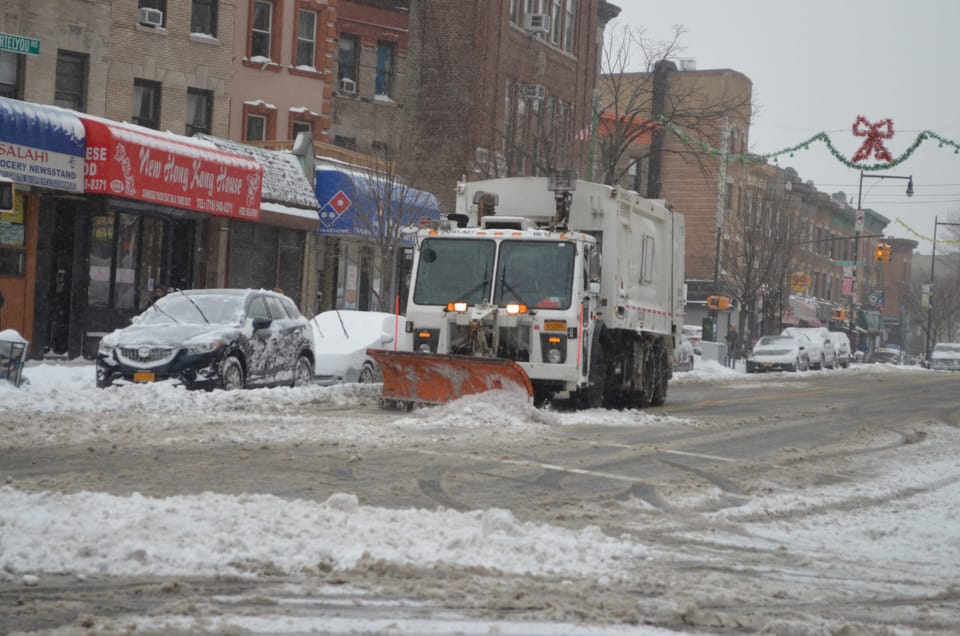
424, 378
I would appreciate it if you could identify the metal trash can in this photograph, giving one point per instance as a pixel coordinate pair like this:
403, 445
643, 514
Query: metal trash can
13, 353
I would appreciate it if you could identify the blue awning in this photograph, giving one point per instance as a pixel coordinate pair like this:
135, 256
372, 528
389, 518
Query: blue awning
350, 204
41, 145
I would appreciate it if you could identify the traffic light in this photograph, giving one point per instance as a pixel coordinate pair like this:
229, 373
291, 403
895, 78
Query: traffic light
718, 303
881, 253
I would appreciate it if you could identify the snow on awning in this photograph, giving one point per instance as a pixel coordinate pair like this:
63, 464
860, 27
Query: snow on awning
131, 161
283, 179
41, 145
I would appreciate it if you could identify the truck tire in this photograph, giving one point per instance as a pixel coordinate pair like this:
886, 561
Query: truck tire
661, 377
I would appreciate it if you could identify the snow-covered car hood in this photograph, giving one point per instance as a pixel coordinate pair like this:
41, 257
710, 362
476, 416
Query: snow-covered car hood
169, 335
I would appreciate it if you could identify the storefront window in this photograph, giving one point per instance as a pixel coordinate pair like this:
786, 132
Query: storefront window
253, 249
12, 240
101, 255
126, 288
114, 236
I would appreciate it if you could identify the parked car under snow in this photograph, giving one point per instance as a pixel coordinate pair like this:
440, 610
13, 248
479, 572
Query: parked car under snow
341, 338
211, 338
780, 353
945, 356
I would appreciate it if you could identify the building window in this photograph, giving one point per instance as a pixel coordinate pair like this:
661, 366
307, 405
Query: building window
261, 31
260, 121
256, 128
71, 80
199, 111
11, 75
306, 38
569, 25
350, 143
556, 22
203, 18
146, 103
386, 53
298, 127
515, 11
159, 5
349, 57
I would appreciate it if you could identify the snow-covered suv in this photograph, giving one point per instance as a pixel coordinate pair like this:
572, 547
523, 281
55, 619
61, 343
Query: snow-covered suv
821, 350
945, 355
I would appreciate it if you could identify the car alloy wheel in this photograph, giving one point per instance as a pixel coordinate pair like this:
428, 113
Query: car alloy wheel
231, 374
302, 371
368, 374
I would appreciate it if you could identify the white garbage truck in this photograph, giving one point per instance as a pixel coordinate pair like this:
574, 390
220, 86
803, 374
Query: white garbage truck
564, 289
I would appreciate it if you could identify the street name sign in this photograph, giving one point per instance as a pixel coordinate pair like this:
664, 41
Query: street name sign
19, 44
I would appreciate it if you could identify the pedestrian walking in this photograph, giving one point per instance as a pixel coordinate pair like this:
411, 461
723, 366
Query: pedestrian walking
732, 346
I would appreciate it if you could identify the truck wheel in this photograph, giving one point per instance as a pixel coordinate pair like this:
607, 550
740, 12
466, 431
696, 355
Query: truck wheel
661, 377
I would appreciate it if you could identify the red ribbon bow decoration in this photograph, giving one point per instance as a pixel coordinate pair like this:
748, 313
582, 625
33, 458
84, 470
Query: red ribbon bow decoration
875, 135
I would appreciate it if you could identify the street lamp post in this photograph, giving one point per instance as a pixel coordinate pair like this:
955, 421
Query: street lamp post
933, 261
859, 228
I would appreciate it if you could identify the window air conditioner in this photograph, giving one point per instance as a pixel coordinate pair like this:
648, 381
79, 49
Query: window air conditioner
349, 86
151, 17
537, 23
534, 91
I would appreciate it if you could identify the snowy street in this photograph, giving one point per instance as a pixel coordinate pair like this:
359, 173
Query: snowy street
779, 503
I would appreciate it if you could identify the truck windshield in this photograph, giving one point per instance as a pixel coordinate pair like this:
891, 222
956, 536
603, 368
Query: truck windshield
452, 270
536, 273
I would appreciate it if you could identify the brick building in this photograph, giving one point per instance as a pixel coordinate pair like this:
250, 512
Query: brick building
284, 56
501, 87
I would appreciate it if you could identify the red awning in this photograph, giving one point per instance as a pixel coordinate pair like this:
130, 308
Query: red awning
130, 161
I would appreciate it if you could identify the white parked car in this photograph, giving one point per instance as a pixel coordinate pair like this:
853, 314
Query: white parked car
683, 354
945, 356
695, 335
780, 353
822, 353
841, 344
341, 338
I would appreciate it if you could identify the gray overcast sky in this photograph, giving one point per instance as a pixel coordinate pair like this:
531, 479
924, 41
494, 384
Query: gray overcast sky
816, 65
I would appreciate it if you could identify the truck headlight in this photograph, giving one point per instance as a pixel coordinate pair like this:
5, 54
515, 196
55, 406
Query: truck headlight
554, 347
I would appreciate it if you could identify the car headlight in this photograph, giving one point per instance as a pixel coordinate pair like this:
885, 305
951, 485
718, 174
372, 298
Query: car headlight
205, 346
106, 346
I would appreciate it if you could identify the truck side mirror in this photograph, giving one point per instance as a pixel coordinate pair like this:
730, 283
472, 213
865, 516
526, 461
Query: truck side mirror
593, 267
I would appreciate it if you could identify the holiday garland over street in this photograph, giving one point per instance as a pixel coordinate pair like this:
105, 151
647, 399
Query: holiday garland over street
874, 133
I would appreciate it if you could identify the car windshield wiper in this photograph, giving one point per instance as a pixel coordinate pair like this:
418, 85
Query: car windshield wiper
343, 326
194, 303
157, 307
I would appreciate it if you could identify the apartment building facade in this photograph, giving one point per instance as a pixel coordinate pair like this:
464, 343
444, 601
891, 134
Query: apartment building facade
501, 88
139, 79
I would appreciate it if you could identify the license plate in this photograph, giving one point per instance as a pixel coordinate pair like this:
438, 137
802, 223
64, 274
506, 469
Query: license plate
767, 365
144, 376
554, 325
